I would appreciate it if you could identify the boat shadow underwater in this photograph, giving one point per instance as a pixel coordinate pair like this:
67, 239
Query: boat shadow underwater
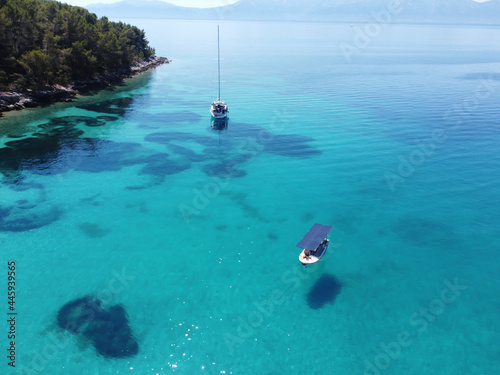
107, 329
324, 291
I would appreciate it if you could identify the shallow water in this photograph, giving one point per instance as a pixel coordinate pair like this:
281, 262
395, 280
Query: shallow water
131, 197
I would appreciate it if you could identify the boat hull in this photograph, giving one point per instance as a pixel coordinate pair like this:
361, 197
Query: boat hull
216, 115
313, 258
219, 109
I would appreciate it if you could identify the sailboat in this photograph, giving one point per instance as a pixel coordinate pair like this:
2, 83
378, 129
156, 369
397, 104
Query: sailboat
218, 109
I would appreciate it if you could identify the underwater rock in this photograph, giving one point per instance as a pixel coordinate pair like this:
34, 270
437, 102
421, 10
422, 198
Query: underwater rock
291, 145
4, 212
111, 334
325, 290
186, 152
165, 168
257, 138
98, 155
223, 170
22, 217
165, 118
15, 136
116, 106
425, 232
24, 204
107, 118
72, 121
41, 153
61, 148
25, 207
307, 217
108, 330
28, 152
241, 199
272, 236
93, 230
167, 137
76, 315
160, 165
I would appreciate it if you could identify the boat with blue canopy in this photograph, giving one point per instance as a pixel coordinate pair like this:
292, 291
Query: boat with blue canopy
314, 244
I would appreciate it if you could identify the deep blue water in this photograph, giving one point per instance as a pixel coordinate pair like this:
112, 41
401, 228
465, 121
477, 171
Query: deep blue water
130, 197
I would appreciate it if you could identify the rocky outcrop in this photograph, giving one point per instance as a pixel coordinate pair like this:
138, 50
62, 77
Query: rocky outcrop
15, 100
31, 98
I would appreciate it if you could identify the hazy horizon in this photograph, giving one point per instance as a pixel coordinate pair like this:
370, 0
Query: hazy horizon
481, 12
181, 3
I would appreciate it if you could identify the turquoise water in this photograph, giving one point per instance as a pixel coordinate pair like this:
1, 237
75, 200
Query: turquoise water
131, 197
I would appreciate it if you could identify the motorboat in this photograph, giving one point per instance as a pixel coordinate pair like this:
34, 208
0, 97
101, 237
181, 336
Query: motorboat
314, 244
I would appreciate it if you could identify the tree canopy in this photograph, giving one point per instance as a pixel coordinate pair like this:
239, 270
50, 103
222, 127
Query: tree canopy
44, 42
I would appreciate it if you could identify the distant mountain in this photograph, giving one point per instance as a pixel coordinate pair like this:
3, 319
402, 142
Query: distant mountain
414, 11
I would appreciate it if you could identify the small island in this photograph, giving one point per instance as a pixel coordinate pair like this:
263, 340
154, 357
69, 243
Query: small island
50, 51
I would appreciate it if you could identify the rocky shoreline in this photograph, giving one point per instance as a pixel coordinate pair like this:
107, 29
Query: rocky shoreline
16, 100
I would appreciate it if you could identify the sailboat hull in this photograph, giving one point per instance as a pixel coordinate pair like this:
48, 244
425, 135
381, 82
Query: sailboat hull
219, 109
218, 114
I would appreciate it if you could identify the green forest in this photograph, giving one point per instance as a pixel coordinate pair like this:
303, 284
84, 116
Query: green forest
44, 42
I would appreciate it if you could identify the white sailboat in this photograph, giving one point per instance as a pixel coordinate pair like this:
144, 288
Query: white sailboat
218, 109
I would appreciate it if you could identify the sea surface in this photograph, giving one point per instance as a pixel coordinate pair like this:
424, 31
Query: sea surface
186, 233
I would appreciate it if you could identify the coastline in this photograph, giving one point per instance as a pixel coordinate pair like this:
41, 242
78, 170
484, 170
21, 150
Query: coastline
18, 100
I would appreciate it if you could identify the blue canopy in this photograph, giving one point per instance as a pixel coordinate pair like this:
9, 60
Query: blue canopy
314, 237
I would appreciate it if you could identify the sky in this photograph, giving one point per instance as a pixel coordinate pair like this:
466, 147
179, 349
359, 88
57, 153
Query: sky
186, 3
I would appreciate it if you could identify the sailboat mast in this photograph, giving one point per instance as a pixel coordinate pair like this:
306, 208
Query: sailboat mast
218, 60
